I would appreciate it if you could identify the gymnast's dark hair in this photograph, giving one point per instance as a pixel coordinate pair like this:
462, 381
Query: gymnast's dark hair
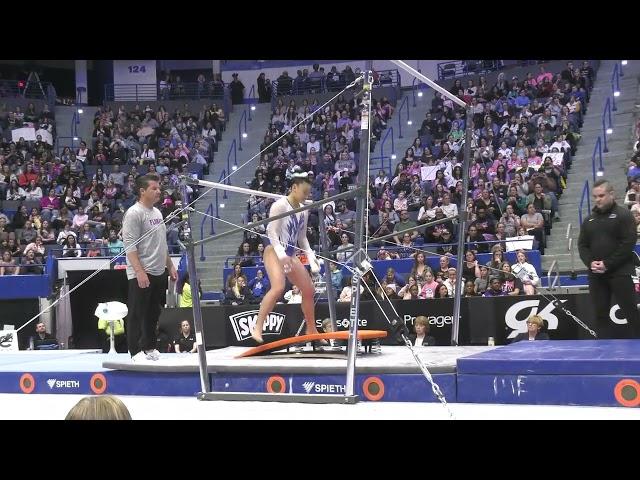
299, 176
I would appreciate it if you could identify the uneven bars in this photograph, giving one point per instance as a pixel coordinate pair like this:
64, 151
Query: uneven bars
430, 82
347, 194
233, 188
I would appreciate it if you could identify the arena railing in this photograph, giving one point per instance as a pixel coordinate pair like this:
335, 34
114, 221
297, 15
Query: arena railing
150, 91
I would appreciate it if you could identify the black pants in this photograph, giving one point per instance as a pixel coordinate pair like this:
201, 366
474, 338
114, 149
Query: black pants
145, 305
601, 288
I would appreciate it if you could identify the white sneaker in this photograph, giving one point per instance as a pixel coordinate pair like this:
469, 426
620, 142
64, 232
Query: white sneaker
153, 355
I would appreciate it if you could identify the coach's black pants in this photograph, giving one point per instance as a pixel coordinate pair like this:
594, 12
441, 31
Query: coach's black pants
601, 288
145, 305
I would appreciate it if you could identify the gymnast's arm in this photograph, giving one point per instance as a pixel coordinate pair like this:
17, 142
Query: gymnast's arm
303, 242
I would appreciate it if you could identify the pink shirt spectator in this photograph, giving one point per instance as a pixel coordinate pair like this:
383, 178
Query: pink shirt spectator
429, 290
400, 204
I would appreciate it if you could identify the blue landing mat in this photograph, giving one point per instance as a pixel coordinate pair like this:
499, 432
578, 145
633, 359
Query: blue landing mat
560, 372
557, 357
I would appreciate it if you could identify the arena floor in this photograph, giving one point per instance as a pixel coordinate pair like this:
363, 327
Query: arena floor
55, 407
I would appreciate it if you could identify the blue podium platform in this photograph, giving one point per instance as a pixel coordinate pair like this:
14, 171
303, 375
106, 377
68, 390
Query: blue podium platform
587, 372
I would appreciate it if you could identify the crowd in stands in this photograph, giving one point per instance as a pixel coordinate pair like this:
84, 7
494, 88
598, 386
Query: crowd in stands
73, 202
632, 195
524, 135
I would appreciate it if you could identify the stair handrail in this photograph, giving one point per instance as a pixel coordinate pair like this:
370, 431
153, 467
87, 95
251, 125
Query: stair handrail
597, 149
556, 279
615, 85
232, 148
243, 117
403, 104
584, 196
606, 112
382, 144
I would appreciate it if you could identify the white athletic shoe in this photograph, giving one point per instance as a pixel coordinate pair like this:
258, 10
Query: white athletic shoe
153, 355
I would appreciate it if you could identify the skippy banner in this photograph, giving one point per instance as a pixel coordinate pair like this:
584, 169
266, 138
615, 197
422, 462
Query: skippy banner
501, 317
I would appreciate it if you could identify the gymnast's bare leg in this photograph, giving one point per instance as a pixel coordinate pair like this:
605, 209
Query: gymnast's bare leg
298, 276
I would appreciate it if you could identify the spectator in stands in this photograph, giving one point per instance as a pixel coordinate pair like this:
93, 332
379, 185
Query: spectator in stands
429, 287
114, 245
411, 291
345, 244
293, 296
533, 223
65, 232
535, 324
511, 284
30, 264
481, 283
336, 276
495, 288
33, 192
15, 192
239, 293
259, 285
43, 339
37, 246
526, 273
86, 236
497, 259
94, 250
392, 280
185, 342
79, 219
8, 265
28, 233
405, 224
469, 289
442, 291
510, 221
47, 233
470, 268
70, 248
450, 282
245, 255
49, 205
632, 197
420, 268
346, 216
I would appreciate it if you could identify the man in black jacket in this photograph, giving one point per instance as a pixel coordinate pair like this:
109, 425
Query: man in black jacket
606, 243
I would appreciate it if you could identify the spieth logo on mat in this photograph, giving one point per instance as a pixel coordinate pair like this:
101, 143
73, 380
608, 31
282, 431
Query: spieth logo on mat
54, 383
323, 388
518, 322
244, 322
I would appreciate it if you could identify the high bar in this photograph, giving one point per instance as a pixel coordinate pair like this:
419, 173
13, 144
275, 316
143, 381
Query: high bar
429, 82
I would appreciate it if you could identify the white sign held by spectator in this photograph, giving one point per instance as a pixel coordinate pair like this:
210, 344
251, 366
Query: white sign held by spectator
524, 242
46, 136
29, 134
429, 173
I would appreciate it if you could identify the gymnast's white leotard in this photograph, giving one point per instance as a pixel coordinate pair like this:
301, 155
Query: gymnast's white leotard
288, 232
